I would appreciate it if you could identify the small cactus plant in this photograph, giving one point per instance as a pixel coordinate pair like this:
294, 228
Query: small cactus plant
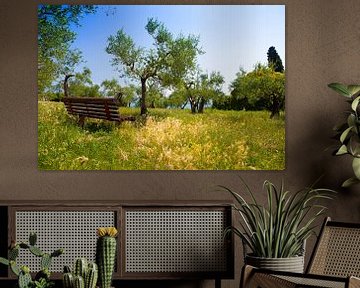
42, 278
106, 254
85, 275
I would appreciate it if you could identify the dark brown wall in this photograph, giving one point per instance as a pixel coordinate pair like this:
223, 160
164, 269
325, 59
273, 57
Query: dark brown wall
322, 46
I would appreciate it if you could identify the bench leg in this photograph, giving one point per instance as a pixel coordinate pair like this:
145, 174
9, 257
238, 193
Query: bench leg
81, 121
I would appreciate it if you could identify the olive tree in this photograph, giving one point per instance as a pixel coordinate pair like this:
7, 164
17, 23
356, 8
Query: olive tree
168, 60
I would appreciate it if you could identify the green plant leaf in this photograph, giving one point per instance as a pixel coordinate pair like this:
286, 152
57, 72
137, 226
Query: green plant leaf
340, 88
353, 89
345, 134
349, 182
4, 261
342, 150
356, 167
355, 103
351, 120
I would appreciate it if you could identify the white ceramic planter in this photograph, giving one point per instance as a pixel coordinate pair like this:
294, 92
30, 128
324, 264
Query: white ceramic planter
291, 264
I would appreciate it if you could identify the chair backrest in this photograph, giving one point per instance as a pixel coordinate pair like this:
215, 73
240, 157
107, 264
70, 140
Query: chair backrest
337, 251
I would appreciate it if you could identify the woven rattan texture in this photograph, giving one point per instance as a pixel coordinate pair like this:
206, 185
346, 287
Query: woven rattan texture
175, 241
338, 253
268, 281
75, 231
306, 282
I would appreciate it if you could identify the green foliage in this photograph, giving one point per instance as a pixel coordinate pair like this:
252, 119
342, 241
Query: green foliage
82, 86
167, 62
262, 88
199, 89
349, 132
214, 140
42, 278
279, 229
43, 283
54, 41
125, 95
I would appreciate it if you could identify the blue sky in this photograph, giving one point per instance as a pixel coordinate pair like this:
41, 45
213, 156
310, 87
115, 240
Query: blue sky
232, 36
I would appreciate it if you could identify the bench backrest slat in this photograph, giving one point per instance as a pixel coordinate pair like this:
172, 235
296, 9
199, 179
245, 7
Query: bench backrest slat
101, 108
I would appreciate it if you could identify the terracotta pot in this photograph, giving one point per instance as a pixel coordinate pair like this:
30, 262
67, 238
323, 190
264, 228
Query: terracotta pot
291, 264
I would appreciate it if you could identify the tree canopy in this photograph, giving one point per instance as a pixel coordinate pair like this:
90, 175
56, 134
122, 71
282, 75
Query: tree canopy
262, 88
274, 60
168, 61
54, 40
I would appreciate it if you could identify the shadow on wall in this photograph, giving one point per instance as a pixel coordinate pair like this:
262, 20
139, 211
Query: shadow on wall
331, 171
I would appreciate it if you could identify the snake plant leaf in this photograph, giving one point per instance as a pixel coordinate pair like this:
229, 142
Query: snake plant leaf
355, 103
356, 167
340, 88
349, 182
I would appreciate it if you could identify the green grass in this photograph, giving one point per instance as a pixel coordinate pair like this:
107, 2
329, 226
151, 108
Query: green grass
166, 140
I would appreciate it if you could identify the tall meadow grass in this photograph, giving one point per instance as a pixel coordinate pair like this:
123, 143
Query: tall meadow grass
167, 139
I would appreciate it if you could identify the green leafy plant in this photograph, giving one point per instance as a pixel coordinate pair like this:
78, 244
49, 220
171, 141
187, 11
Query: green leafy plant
42, 278
349, 132
279, 229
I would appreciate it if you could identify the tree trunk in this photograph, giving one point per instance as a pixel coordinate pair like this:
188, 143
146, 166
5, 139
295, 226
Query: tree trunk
66, 87
143, 109
201, 105
192, 105
275, 108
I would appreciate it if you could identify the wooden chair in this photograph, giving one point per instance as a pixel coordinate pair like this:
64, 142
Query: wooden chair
335, 262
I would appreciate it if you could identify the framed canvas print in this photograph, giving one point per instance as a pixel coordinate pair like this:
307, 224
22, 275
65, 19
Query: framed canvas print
161, 87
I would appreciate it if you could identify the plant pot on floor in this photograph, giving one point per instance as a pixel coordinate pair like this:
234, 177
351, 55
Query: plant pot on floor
290, 264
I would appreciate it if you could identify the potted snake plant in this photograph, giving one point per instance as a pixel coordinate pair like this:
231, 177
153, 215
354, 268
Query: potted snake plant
274, 234
348, 132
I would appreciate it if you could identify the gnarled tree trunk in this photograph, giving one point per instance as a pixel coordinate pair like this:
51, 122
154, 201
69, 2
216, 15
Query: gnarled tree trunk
66, 86
143, 108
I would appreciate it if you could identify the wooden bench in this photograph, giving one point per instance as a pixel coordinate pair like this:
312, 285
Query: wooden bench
99, 108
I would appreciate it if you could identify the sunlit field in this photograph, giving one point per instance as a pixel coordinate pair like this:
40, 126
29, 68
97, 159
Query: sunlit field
168, 139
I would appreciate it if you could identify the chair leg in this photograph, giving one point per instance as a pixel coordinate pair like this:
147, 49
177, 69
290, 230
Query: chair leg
246, 274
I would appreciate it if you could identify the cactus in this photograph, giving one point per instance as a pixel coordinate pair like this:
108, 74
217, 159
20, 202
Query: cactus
80, 267
36, 251
88, 273
45, 261
24, 280
4, 261
13, 253
14, 268
79, 282
23, 273
68, 280
32, 238
105, 254
91, 276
